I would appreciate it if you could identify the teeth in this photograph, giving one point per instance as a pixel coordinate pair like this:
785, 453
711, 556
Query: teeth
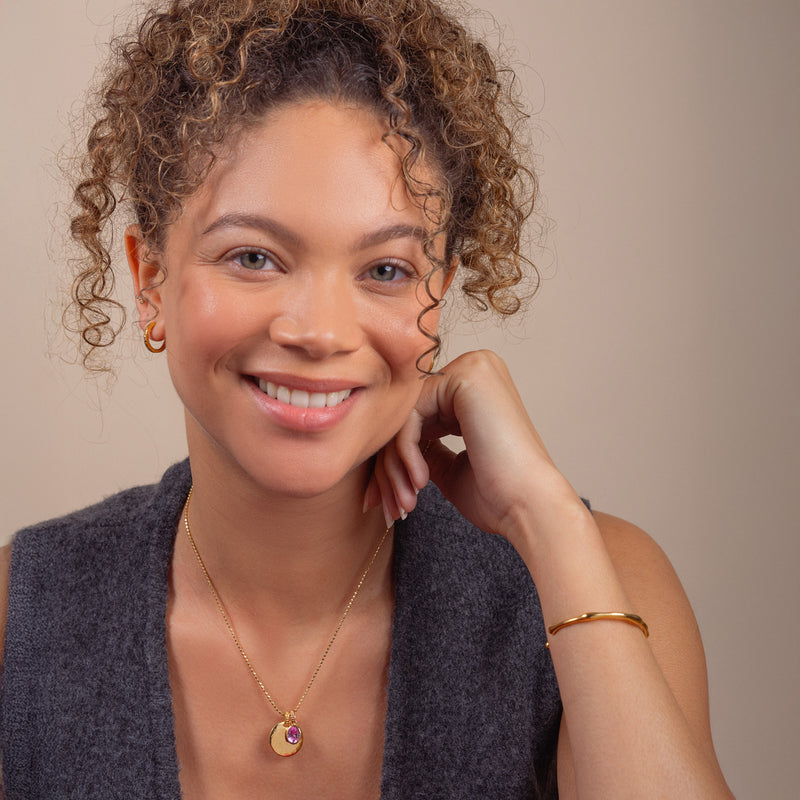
317, 400
299, 398
302, 399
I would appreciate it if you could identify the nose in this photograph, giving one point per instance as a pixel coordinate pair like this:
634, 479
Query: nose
320, 318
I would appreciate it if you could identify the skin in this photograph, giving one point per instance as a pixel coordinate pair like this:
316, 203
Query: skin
284, 501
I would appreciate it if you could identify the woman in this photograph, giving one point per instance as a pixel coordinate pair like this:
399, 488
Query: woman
296, 611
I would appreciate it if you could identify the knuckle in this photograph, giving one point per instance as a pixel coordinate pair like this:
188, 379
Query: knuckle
485, 362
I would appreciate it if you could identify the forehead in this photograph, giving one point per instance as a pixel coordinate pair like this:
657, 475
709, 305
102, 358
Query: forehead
313, 164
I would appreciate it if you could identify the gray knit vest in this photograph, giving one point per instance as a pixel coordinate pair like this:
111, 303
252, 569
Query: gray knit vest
473, 705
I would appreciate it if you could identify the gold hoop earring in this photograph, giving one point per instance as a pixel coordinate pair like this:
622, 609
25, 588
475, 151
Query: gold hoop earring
147, 342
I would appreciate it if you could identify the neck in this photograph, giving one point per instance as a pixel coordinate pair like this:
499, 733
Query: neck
299, 558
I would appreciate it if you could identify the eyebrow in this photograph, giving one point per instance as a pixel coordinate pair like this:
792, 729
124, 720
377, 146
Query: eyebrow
265, 224
392, 232
290, 238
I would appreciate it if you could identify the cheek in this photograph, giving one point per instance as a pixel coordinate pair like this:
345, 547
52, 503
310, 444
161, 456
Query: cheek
402, 343
402, 350
204, 321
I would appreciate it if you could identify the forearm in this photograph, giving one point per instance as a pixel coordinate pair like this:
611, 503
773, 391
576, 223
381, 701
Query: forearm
628, 734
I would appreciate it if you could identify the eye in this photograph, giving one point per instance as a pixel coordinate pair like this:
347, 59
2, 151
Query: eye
253, 260
387, 272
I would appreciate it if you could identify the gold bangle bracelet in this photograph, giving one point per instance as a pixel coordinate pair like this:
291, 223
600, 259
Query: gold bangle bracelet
591, 616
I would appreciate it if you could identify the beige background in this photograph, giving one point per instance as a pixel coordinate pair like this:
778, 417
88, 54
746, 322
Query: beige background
660, 361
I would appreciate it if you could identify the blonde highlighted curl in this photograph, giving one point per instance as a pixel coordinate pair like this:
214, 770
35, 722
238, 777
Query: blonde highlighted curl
196, 71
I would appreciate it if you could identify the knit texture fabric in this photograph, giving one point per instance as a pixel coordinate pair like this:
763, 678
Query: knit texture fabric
473, 705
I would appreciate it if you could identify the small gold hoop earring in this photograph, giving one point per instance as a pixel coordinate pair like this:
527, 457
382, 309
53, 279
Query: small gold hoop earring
147, 342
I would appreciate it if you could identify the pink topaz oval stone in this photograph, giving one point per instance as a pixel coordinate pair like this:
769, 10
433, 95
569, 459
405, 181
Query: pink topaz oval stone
293, 734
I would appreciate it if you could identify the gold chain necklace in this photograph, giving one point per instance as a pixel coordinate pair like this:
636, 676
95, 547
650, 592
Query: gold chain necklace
285, 738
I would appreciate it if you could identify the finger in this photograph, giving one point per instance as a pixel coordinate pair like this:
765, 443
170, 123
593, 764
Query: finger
432, 418
441, 462
372, 494
407, 443
405, 493
391, 508
435, 407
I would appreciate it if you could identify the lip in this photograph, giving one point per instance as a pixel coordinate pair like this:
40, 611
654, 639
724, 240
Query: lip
304, 420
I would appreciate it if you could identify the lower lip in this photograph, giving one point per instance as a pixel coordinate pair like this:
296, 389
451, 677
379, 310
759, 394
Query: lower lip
305, 420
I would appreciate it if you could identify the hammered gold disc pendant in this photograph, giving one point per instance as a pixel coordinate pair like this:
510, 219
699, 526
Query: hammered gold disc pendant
286, 738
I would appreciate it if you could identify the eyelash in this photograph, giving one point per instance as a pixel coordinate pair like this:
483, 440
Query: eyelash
402, 273
268, 259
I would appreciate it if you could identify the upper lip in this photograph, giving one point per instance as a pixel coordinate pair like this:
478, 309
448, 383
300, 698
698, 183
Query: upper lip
322, 385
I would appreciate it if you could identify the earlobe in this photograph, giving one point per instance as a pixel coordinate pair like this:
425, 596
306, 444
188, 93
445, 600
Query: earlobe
146, 275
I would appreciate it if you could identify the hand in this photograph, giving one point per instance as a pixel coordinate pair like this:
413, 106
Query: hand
504, 473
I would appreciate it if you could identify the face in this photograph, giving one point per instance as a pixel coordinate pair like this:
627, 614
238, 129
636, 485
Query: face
294, 278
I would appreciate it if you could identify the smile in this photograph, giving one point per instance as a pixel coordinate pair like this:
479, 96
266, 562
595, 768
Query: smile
299, 398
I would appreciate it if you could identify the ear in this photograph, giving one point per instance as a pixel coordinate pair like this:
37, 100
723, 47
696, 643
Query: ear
147, 276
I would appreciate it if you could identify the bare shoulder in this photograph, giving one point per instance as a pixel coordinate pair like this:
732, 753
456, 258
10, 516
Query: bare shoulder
657, 595
5, 566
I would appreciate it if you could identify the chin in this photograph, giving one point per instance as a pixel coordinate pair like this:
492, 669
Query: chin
306, 478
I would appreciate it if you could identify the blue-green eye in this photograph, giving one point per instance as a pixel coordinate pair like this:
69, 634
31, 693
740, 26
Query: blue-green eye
252, 260
385, 273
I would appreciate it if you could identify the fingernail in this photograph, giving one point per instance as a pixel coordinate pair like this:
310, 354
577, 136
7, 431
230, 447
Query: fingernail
387, 517
364, 505
403, 513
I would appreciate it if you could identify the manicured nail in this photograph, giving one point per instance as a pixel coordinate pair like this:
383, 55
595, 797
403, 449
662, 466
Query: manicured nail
387, 517
403, 513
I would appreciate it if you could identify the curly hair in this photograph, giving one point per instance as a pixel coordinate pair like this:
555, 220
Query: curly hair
195, 71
